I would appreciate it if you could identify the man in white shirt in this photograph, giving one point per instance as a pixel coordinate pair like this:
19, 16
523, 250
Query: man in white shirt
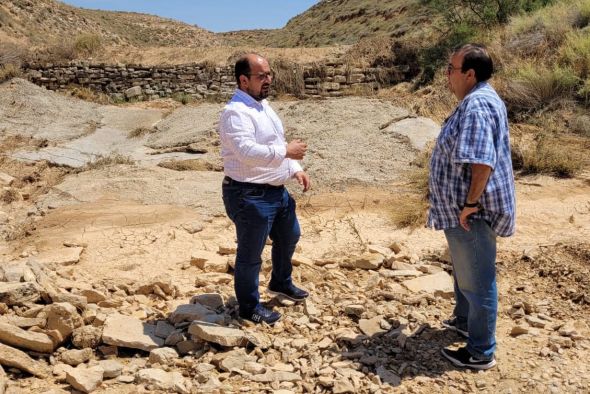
257, 163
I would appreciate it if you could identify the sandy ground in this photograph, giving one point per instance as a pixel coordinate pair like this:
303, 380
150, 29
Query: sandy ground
131, 218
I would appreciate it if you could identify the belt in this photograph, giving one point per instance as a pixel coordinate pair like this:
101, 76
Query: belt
231, 182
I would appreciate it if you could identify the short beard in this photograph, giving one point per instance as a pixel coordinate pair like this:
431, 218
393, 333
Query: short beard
260, 96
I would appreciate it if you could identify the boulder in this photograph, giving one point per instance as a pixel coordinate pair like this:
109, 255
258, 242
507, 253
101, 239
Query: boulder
126, 331
35, 341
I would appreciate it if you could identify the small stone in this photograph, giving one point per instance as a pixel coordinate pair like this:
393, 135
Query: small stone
388, 377
120, 330
193, 227
85, 380
519, 330
212, 301
372, 326
18, 293
159, 378
112, 368
367, 261
209, 261
62, 320
191, 312
535, 322
93, 296
355, 310
213, 278
11, 357
76, 356
163, 356
227, 250
86, 337
342, 386
223, 336
36, 341
163, 329
440, 284
61, 256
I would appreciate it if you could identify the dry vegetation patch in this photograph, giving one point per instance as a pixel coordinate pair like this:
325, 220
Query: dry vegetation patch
191, 165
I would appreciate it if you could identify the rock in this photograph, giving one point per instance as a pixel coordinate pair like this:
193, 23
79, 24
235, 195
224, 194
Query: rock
18, 293
5, 179
382, 250
212, 301
298, 260
76, 357
163, 356
85, 380
163, 329
355, 310
213, 278
399, 265
395, 247
188, 346
24, 322
159, 378
310, 308
61, 256
35, 341
367, 261
233, 360
62, 319
130, 332
175, 337
3, 380
209, 261
191, 312
227, 250
518, 330
387, 376
193, 227
161, 286
223, 336
372, 326
259, 339
86, 337
111, 368
17, 272
440, 284
78, 301
399, 273
535, 322
11, 357
279, 376
342, 386
93, 296
133, 92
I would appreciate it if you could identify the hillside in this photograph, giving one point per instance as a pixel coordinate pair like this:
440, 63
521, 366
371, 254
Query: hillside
42, 22
344, 22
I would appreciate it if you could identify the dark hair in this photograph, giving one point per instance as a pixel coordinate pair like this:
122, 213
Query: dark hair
476, 57
242, 67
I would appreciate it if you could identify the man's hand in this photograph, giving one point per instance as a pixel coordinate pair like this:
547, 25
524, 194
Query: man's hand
465, 213
296, 150
303, 180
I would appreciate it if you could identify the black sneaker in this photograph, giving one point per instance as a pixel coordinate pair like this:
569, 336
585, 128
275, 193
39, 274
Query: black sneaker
261, 314
291, 292
451, 324
462, 358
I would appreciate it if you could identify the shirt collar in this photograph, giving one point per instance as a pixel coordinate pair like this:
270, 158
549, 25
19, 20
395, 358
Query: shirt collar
248, 100
477, 86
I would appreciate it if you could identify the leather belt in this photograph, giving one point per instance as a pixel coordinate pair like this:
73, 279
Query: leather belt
231, 182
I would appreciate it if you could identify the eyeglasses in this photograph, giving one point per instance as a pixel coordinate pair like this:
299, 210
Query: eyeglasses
262, 76
451, 68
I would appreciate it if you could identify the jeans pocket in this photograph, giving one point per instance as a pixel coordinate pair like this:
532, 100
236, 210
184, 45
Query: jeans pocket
253, 193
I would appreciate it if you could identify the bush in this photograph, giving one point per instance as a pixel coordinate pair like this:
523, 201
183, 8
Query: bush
580, 124
371, 52
575, 52
9, 71
533, 87
87, 44
550, 158
288, 77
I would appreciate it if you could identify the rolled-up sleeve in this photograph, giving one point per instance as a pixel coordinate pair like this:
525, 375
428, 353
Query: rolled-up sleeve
238, 134
475, 143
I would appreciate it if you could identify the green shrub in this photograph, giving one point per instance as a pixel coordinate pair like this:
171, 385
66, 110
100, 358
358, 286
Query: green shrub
576, 52
535, 87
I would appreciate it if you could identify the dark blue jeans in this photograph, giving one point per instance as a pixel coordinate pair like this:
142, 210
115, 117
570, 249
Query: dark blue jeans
473, 254
260, 212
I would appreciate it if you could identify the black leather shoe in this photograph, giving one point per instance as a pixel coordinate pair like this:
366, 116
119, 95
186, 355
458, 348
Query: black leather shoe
291, 292
261, 314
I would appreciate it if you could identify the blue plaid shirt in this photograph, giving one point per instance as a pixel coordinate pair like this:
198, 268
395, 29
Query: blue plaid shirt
476, 132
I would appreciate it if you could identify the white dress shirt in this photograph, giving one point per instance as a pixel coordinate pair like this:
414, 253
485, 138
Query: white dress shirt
253, 145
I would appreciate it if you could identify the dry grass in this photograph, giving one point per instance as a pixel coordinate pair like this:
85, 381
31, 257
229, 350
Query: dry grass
548, 156
9, 195
87, 44
141, 131
370, 52
288, 77
88, 94
217, 56
191, 165
106, 161
9, 71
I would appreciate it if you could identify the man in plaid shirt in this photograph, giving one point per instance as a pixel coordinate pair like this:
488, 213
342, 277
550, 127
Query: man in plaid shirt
472, 199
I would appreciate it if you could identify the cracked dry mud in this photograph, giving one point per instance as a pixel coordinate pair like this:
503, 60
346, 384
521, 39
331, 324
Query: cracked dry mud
118, 279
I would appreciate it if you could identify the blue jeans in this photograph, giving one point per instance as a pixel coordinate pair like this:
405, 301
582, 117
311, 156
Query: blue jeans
259, 212
473, 254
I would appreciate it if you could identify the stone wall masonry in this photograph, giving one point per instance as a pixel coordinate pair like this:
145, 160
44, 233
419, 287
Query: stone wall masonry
201, 81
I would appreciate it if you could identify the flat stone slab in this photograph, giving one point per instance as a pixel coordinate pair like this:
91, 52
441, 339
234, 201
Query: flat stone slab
15, 336
215, 333
126, 331
438, 284
11, 357
61, 256
420, 131
18, 293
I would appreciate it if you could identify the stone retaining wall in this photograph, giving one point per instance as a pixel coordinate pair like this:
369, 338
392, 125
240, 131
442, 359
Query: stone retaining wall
201, 81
